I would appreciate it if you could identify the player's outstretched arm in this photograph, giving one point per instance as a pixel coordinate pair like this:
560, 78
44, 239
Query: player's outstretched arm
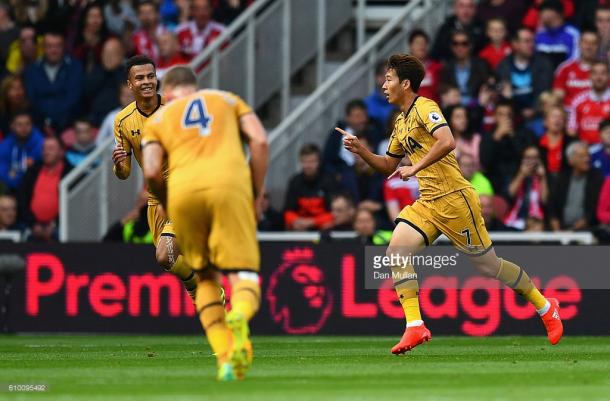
256, 137
152, 165
384, 164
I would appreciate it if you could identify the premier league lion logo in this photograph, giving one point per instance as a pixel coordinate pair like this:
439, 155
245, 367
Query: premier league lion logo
298, 297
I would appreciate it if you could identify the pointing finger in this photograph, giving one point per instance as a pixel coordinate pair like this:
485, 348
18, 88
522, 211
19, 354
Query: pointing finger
342, 132
394, 174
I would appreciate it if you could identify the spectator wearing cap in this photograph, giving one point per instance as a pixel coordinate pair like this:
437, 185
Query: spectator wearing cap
464, 18
197, 34
600, 154
574, 197
54, 85
20, 150
556, 39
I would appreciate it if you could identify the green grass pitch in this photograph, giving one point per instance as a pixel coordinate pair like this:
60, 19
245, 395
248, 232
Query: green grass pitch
308, 368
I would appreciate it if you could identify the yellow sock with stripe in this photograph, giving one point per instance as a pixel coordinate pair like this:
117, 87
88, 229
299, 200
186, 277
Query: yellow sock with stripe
245, 297
185, 273
212, 316
407, 290
516, 278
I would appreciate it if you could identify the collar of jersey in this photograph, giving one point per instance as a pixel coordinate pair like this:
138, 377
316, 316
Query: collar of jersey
410, 107
152, 112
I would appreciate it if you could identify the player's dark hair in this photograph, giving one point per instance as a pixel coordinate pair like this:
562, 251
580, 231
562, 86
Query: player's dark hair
416, 33
408, 67
604, 124
554, 5
140, 59
179, 76
354, 104
309, 149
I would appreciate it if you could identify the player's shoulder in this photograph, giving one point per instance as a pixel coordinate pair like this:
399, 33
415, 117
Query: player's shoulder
126, 112
423, 102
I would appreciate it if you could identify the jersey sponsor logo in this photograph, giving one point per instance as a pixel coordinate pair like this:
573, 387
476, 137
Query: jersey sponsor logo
412, 145
435, 117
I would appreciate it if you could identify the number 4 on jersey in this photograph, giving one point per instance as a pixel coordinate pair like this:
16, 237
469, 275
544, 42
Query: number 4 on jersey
197, 116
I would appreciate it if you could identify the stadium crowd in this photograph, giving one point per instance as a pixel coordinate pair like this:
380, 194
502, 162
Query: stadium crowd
62, 81
523, 85
524, 88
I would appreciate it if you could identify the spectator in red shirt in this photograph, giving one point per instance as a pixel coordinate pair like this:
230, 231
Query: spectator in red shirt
554, 141
590, 108
197, 34
419, 43
39, 193
572, 76
145, 39
169, 53
307, 203
499, 47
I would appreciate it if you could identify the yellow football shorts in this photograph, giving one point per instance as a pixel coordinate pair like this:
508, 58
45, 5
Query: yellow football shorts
457, 215
159, 225
216, 227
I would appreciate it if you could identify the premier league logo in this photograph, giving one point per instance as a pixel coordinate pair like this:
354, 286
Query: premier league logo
298, 297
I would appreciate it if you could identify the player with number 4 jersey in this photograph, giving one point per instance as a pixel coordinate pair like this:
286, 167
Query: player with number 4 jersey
448, 203
213, 197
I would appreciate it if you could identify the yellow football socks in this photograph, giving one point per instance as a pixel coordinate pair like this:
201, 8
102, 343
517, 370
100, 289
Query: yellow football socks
212, 316
185, 273
245, 298
517, 279
407, 290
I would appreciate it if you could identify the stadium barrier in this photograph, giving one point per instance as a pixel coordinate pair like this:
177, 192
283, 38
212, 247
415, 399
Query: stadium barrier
308, 288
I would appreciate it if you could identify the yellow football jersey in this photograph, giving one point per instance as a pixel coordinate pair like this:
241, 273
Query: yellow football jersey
128, 126
202, 140
412, 136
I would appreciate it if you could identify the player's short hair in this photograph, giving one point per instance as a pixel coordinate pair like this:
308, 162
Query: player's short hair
408, 67
140, 59
309, 149
417, 33
354, 104
604, 124
180, 75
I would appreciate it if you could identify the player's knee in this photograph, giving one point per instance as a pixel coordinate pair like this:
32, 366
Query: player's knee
486, 267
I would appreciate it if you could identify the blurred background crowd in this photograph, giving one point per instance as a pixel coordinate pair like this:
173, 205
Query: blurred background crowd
523, 85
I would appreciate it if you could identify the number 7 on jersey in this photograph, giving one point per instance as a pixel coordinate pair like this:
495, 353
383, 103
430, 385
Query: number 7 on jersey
197, 116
